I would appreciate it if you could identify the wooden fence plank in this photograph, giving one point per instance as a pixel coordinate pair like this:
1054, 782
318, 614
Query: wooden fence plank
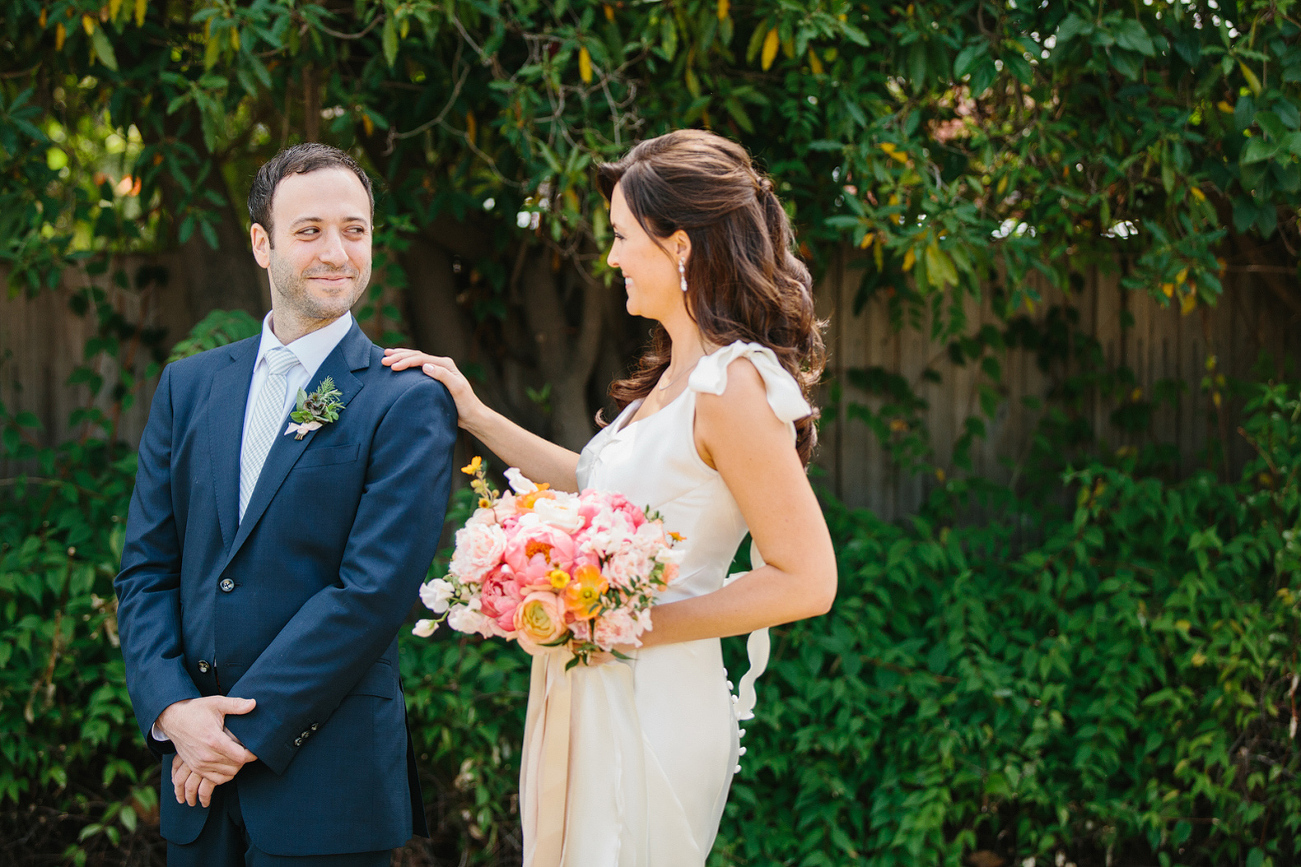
41, 343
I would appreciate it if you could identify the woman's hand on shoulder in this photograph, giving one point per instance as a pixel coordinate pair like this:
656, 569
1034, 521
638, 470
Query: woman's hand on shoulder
468, 406
738, 434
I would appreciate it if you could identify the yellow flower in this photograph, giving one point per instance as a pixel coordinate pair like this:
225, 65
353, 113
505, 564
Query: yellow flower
526, 501
676, 537
473, 467
559, 578
583, 596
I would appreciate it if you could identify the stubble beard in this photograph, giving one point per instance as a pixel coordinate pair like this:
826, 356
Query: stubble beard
291, 288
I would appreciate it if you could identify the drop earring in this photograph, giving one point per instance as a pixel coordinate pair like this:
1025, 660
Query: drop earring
682, 274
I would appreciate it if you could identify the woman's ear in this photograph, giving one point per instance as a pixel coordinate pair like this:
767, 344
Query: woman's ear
680, 245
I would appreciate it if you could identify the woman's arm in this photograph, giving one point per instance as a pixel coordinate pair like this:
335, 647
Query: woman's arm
536, 458
738, 434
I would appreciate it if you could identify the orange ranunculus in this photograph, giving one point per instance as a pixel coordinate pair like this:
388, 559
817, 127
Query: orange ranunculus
583, 595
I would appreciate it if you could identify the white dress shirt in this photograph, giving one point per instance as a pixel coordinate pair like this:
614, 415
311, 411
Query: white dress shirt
311, 350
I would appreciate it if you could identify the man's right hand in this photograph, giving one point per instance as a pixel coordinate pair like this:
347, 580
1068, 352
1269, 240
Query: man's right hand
197, 728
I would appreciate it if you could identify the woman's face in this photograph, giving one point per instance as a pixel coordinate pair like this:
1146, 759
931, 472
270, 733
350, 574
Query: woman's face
650, 273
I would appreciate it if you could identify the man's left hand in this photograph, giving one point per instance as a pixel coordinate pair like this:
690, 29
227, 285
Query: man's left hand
191, 787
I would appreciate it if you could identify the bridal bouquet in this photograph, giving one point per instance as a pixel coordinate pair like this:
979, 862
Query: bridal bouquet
547, 568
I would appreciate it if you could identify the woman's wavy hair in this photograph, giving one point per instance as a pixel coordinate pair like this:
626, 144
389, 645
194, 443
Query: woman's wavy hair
744, 281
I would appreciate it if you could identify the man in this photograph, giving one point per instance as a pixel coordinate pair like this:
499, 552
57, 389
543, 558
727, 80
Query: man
269, 565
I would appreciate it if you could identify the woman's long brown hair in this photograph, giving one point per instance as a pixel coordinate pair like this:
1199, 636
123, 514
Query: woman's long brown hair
744, 280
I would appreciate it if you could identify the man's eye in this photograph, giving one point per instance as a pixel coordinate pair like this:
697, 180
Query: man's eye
310, 231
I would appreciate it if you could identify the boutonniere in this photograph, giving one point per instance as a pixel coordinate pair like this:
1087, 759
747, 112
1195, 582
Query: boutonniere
316, 409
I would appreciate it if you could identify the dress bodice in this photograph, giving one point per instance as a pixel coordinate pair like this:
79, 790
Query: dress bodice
654, 463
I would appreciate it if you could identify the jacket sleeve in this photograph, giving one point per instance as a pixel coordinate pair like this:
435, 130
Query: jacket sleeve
149, 585
321, 654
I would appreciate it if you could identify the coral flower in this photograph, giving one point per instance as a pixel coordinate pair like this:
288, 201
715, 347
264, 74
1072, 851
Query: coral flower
539, 620
583, 595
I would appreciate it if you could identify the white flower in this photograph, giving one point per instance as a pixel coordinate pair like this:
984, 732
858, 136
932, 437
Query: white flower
559, 513
425, 628
437, 595
465, 619
670, 555
643, 619
478, 551
519, 484
482, 516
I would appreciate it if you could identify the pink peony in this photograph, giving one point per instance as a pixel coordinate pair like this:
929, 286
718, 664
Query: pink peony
615, 628
536, 550
500, 595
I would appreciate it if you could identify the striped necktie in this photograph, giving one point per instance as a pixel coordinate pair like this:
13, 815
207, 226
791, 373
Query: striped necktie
268, 415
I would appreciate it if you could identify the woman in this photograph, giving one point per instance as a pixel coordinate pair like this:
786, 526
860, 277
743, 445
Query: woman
629, 762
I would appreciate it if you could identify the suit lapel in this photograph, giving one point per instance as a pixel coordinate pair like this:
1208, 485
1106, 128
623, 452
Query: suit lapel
352, 353
226, 402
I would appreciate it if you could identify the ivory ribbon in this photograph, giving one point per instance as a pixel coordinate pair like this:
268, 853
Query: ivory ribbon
757, 647
544, 769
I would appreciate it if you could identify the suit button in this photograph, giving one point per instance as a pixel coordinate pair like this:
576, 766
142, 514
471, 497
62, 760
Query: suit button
315, 726
298, 742
226, 585
305, 735
203, 666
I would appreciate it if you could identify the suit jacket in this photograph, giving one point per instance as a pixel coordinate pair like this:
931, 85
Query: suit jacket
298, 605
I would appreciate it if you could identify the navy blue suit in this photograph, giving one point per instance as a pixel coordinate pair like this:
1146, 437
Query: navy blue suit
297, 606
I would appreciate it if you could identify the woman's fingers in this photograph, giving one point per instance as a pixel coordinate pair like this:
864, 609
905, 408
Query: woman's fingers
442, 369
401, 359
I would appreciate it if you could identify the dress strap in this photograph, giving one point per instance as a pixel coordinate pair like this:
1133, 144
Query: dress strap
784, 394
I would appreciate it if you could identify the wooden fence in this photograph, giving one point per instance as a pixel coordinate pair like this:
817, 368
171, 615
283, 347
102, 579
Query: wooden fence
41, 343
1161, 344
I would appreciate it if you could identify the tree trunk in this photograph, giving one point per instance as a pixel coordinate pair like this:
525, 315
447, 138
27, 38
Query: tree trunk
566, 354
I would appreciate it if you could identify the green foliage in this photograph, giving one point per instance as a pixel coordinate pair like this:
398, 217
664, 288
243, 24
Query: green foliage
955, 141
218, 328
71, 750
1116, 684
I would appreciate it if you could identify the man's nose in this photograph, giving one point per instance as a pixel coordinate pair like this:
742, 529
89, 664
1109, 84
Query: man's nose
333, 251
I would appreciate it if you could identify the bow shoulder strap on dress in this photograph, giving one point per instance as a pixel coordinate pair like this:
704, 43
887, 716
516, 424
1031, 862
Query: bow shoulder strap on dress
784, 394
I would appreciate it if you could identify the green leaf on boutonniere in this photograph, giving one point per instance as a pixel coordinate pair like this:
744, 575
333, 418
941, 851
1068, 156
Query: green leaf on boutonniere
317, 409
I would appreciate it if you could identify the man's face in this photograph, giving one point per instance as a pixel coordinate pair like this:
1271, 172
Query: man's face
320, 260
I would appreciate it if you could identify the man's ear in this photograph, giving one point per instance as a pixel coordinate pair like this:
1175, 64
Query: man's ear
261, 241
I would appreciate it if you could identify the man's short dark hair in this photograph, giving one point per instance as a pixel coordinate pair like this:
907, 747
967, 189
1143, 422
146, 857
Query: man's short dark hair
298, 160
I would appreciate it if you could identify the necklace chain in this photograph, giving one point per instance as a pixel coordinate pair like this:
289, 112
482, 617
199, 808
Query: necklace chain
668, 383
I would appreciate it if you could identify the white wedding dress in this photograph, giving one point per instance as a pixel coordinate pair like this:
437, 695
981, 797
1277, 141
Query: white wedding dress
628, 764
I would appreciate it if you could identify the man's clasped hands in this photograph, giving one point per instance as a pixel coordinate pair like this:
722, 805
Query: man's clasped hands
207, 754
